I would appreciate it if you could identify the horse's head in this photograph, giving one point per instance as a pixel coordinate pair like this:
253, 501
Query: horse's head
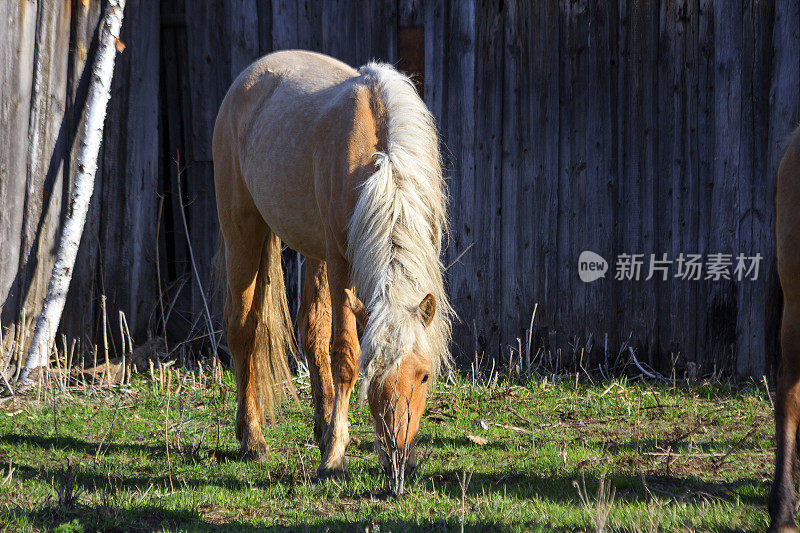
397, 399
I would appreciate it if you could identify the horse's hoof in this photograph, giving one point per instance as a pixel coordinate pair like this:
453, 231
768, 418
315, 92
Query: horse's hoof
254, 447
336, 472
257, 452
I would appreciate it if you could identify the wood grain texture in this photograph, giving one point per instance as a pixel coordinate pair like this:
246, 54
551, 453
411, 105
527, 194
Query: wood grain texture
617, 127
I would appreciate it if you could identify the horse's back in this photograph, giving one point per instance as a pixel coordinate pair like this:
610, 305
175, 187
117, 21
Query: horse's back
270, 126
788, 219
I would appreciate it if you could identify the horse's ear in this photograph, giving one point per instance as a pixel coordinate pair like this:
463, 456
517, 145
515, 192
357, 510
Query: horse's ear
426, 310
361, 313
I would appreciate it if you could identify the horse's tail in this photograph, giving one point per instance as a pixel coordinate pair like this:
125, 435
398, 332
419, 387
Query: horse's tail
273, 337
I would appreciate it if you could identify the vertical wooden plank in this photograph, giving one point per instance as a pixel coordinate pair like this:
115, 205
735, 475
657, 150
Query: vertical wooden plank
209, 76
637, 191
264, 18
284, 24
511, 308
48, 146
130, 171
622, 290
338, 20
17, 43
783, 115
705, 170
667, 131
599, 138
722, 236
378, 23
671, 233
564, 180
488, 134
80, 317
243, 31
459, 138
175, 126
750, 326
577, 184
436, 49
646, 24
540, 189
687, 184
763, 308
309, 25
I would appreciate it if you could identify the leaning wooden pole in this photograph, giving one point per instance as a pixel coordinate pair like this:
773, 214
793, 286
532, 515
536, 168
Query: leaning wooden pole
61, 275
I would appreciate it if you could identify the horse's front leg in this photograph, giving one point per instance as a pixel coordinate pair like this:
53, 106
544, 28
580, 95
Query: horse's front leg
314, 321
344, 365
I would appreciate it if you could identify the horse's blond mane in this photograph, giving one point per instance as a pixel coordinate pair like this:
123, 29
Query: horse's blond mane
395, 233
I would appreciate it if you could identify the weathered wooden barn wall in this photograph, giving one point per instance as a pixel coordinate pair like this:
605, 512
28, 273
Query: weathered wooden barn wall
617, 127
45, 48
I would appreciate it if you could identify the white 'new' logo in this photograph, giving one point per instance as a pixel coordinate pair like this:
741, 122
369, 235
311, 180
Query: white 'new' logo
591, 266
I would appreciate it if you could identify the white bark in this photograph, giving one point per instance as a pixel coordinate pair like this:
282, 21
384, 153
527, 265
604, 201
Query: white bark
61, 275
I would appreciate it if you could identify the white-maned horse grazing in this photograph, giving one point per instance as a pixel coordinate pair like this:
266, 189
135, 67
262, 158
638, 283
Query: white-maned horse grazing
343, 166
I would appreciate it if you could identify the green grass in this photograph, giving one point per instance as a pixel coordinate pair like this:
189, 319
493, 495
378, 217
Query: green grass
545, 441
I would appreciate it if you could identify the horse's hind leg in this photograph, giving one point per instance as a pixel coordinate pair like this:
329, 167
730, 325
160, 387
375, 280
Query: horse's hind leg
787, 416
243, 253
315, 329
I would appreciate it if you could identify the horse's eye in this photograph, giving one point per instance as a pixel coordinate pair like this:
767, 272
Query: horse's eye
425, 378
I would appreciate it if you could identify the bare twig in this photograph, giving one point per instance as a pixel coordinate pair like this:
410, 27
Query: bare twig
194, 265
6, 384
158, 274
463, 482
651, 375
130, 349
110, 429
166, 427
105, 339
7, 477
769, 394
457, 259
736, 446
683, 436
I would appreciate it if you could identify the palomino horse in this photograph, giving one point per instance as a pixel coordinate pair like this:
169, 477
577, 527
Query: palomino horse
787, 407
342, 166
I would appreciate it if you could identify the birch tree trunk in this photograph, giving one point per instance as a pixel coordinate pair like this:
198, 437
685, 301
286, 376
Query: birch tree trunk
61, 275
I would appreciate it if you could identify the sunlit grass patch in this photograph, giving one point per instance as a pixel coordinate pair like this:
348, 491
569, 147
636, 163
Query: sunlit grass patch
673, 458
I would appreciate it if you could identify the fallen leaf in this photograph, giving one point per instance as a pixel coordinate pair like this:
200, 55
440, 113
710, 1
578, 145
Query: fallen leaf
477, 440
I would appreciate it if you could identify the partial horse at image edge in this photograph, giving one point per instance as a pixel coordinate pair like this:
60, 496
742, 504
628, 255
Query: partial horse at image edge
787, 405
343, 166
